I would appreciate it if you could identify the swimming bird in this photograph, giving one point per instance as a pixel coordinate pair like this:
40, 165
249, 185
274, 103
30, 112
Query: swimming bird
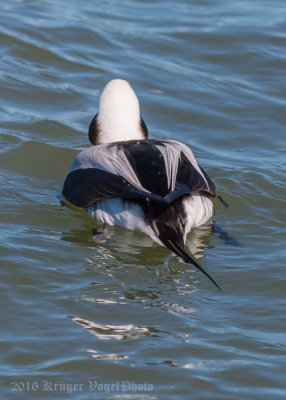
151, 185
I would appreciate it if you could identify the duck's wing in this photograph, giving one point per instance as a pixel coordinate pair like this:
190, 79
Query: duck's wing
155, 170
188, 170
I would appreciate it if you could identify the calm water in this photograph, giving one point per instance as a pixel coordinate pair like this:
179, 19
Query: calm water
117, 317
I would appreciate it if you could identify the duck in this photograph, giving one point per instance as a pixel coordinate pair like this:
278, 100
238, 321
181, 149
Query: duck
124, 178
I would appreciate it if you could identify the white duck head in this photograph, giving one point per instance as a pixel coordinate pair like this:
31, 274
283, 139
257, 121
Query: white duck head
118, 117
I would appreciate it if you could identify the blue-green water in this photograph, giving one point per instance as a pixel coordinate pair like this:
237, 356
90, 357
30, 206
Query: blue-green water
118, 317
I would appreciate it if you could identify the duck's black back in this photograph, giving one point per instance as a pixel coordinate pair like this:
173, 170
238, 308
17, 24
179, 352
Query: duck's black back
148, 164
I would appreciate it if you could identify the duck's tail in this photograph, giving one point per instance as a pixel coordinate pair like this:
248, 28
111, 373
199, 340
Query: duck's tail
173, 240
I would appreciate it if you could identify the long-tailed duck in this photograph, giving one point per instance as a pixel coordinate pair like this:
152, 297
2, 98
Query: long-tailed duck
153, 186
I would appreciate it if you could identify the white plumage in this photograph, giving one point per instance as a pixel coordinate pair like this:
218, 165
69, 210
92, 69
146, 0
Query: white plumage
118, 113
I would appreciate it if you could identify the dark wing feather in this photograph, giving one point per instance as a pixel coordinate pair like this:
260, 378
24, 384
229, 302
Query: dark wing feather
188, 174
84, 187
212, 188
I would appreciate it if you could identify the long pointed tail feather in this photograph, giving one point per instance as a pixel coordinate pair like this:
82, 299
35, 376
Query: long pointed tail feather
181, 252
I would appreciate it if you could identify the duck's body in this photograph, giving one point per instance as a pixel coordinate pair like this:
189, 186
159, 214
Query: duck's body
153, 186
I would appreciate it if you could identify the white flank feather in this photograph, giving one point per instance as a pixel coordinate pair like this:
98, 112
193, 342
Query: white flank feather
199, 211
122, 213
